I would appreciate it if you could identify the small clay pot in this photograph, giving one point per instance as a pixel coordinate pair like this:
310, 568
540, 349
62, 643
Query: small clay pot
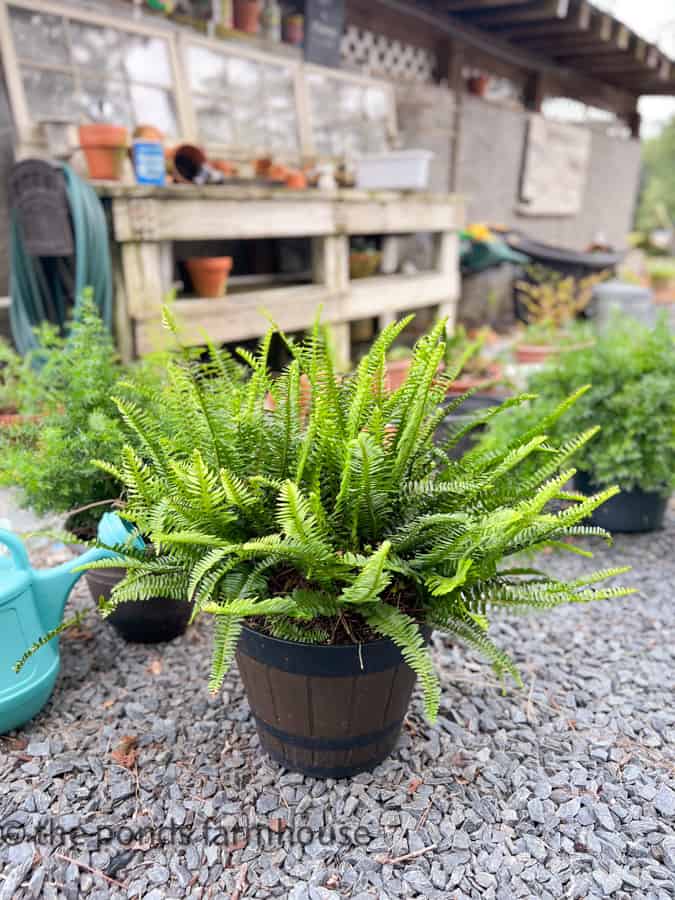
466, 382
396, 372
247, 16
209, 274
294, 29
296, 180
104, 147
188, 163
535, 353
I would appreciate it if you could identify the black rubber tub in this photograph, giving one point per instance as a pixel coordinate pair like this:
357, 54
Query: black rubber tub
330, 712
150, 621
629, 511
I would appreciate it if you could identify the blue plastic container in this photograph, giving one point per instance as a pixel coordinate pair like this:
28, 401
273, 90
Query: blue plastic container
149, 163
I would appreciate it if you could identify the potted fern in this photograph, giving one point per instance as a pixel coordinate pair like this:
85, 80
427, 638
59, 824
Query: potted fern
326, 547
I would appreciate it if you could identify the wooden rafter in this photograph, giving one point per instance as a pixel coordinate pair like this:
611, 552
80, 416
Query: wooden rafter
536, 11
579, 18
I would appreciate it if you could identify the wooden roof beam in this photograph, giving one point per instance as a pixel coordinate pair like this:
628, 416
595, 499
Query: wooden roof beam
537, 11
579, 18
460, 6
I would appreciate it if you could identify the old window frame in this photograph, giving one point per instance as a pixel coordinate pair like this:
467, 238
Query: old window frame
27, 128
29, 135
232, 49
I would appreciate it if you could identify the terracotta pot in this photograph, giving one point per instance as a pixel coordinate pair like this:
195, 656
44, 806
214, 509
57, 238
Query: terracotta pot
535, 353
229, 169
296, 180
478, 85
10, 417
188, 163
277, 172
364, 263
105, 147
467, 382
396, 373
247, 16
209, 274
294, 29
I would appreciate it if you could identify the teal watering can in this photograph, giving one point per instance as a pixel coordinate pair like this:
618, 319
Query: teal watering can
32, 604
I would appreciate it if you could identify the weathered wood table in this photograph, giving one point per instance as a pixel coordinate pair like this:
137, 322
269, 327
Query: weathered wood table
146, 221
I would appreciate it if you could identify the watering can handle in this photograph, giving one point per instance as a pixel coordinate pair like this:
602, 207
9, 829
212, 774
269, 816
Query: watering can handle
16, 548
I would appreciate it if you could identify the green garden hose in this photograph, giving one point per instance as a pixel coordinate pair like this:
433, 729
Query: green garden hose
37, 289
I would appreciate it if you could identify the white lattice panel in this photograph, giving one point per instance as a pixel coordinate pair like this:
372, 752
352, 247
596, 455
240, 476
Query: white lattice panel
376, 54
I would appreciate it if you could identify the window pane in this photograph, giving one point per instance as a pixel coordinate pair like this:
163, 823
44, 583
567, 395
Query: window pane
39, 37
116, 52
50, 95
154, 106
207, 70
106, 101
246, 78
214, 120
348, 117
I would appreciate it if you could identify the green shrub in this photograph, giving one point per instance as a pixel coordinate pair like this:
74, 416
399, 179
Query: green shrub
70, 382
631, 373
345, 522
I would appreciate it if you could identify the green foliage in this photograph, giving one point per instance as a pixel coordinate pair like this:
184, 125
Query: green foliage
631, 373
344, 521
70, 382
657, 201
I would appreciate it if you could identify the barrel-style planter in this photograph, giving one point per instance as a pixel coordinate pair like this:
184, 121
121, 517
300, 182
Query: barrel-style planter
150, 621
330, 712
630, 511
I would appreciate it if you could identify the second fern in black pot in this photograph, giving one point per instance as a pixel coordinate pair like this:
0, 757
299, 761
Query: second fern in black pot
326, 544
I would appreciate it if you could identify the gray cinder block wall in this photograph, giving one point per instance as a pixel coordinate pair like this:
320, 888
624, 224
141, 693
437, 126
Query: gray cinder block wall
490, 158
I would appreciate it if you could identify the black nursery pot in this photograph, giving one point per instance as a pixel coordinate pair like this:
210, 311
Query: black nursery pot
150, 621
629, 511
330, 712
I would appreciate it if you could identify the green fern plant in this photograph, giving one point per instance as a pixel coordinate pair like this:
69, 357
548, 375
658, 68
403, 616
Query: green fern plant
346, 521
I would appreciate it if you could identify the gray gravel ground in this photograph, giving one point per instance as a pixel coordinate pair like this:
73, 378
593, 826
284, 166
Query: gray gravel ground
565, 789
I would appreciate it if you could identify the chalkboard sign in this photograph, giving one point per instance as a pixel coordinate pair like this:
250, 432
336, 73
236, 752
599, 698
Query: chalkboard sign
324, 24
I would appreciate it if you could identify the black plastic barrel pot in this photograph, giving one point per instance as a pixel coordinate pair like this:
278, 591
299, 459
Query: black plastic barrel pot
150, 621
325, 711
629, 511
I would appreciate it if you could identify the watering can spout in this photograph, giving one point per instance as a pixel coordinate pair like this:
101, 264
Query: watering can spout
53, 586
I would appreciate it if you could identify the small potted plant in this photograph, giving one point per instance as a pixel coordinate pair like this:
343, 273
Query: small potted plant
479, 371
551, 303
364, 259
105, 148
627, 384
662, 280
326, 548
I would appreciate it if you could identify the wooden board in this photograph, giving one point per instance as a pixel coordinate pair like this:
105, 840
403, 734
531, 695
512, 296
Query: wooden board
554, 170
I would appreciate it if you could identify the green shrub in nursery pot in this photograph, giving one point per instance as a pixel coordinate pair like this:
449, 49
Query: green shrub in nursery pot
327, 546
49, 458
628, 382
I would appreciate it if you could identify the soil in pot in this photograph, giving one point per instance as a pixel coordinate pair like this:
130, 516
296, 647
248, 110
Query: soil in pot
326, 711
209, 274
629, 511
150, 621
105, 148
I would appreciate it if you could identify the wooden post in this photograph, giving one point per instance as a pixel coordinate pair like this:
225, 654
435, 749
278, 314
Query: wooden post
455, 61
534, 91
